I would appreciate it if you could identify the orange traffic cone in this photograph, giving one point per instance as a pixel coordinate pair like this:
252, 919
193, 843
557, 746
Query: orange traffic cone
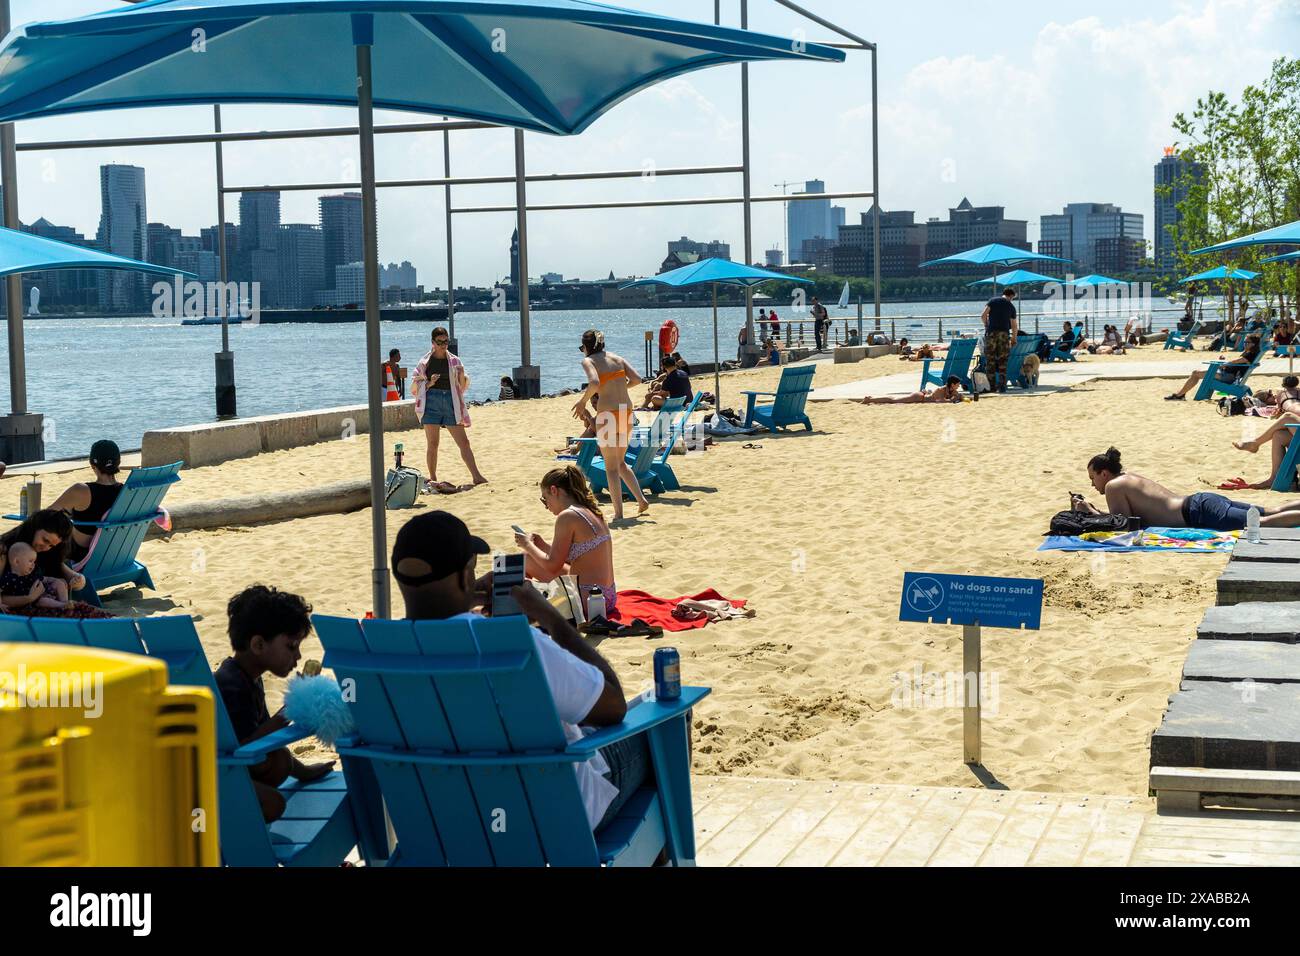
390, 386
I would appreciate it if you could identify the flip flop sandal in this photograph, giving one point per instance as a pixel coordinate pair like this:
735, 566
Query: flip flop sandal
599, 626
751, 444
1234, 484
445, 488
639, 628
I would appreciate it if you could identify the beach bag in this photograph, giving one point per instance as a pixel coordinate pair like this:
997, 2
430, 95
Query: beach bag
564, 595
401, 488
1073, 523
980, 381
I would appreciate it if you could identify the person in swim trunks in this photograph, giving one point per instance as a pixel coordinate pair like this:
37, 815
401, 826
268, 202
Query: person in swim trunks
611, 375
1155, 505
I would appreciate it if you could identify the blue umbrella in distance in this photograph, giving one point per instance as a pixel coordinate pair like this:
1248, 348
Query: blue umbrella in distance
714, 271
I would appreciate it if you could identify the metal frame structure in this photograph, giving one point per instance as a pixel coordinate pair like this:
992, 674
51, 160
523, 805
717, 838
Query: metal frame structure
527, 374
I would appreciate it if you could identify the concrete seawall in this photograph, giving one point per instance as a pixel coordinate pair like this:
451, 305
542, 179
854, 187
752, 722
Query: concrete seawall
211, 443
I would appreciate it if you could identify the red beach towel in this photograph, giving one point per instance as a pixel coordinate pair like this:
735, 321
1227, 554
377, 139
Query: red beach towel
658, 612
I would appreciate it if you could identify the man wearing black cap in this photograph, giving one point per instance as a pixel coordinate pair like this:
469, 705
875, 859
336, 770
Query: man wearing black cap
91, 501
434, 560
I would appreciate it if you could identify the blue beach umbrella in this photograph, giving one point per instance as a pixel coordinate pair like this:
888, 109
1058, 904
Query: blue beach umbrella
1284, 257
1095, 280
715, 272
1288, 235
1014, 277
1222, 272
25, 252
995, 254
548, 65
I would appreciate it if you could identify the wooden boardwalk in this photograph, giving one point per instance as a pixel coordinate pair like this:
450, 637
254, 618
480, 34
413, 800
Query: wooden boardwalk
742, 821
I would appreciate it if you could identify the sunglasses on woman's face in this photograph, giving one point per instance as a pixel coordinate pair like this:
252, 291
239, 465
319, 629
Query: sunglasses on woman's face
440, 341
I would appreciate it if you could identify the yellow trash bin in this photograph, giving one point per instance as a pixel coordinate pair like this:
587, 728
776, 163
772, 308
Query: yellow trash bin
101, 763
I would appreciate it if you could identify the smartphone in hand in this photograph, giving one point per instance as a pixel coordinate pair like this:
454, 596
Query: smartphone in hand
507, 573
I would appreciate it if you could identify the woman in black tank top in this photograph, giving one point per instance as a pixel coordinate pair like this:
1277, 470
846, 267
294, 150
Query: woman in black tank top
91, 501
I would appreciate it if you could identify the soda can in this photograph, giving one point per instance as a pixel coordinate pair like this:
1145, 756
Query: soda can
668, 674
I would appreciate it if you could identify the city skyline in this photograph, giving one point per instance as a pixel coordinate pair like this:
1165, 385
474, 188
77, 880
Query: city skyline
936, 145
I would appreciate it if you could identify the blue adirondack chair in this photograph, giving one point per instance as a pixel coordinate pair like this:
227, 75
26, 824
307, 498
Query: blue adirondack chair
639, 457
1026, 345
322, 821
1182, 340
660, 471
788, 403
1066, 353
457, 720
1210, 385
1285, 479
113, 550
956, 361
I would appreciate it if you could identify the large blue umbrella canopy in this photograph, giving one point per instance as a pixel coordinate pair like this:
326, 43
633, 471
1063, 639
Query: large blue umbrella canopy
547, 65
25, 252
994, 254
714, 271
1288, 235
1014, 277
1223, 272
1284, 257
1095, 280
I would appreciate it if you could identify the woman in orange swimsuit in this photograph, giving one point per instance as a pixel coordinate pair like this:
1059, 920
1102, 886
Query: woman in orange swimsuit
610, 376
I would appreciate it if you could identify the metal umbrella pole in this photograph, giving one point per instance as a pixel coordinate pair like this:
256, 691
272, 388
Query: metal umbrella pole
717, 358
363, 38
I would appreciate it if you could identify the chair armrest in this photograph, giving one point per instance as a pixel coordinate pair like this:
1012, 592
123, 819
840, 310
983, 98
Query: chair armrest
640, 717
125, 522
757, 393
255, 751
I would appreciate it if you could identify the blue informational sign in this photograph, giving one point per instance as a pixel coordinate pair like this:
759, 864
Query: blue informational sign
971, 599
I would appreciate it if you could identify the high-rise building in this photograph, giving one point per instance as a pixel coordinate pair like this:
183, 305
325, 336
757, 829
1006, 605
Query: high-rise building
514, 258
300, 248
161, 245
969, 227
902, 243
340, 225
209, 238
810, 218
123, 231
774, 257
259, 220
1174, 176
402, 276
1089, 232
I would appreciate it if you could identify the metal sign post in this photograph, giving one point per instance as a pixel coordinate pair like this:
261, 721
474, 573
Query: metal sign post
971, 601
971, 716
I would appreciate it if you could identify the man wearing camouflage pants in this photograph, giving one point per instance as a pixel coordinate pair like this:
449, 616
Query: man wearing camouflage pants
1000, 328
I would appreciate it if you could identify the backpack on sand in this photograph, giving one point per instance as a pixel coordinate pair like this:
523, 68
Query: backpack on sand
401, 488
1074, 523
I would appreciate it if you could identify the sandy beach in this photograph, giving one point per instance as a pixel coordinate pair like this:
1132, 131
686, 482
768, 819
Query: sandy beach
815, 531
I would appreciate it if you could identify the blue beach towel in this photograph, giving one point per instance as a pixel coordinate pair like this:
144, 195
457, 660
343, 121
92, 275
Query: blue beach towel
1187, 540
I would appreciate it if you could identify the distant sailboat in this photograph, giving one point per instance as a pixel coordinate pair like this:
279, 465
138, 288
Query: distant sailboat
844, 297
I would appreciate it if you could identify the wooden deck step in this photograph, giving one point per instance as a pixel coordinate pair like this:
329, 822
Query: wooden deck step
1234, 725
1259, 581
1252, 621
1181, 789
1267, 661
1267, 549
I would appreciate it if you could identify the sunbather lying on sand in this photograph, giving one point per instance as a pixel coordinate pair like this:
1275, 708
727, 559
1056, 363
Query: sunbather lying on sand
1154, 504
950, 392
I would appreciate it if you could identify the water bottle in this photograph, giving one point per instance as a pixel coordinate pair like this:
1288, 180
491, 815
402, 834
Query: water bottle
22, 502
595, 603
398, 450
1252, 525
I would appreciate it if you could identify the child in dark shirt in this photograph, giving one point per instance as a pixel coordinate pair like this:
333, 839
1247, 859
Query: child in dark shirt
266, 627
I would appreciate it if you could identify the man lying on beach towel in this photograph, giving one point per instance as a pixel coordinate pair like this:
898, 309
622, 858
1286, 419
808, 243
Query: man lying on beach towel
1154, 504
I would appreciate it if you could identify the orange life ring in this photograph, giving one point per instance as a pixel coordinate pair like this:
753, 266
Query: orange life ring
668, 337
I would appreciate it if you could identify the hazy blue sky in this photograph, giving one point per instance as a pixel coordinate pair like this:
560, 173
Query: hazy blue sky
1030, 105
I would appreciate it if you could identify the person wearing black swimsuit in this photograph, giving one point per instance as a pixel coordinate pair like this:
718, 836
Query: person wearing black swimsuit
90, 501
